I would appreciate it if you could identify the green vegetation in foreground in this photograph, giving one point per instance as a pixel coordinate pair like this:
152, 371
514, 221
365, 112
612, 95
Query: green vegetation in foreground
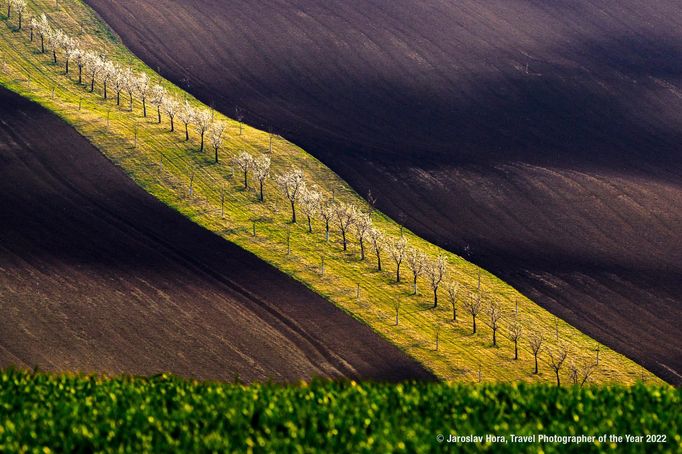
161, 414
163, 164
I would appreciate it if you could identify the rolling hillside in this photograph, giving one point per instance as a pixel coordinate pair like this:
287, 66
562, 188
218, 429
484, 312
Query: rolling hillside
539, 139
96, 275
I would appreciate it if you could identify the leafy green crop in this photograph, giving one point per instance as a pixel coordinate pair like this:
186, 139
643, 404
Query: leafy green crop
163, 413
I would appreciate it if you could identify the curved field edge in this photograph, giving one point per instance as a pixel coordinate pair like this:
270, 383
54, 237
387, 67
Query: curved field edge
162, 164
164, 413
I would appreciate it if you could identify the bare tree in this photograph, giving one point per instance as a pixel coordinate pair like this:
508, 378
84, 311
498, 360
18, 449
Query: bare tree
292, 184
435, 271
215, 134
202, 118
310, 204
143, 88
557, 357
473, 305
10, 3
535, 342
585, 372
171, 106
327, 214
244, 161
515, 332
377, 240
452, 289
156, 98
80, 58
56, 38
261, 170
494, 316
240, 118
345, 215
396, 307
32, 27
416, 260
186, 116
398, 249
362, 225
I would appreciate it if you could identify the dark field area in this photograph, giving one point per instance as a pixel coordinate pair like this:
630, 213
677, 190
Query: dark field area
96, 275
540, 139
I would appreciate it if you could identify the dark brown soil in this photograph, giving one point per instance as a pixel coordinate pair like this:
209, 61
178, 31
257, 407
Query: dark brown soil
540, 138
98, 276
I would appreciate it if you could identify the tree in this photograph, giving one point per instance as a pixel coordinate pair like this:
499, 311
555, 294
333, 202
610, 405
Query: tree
345, 215
435, 271
557, 357
79, 57
186, 116
310, 204
261, 170
9, 8
397, 249
292, 184
416, 260
240, 118
156, 97
452, 290
377, 240
118, 82
515, 332
171, 106
71, 50
19, 8
202, 118
94, 64
473, 305
142, 88
494, 316
129, 85
56, 38
535, 342
32, 27
362, 224
44, 31
244, 161
215, 135
585, 371
327, 214
108, 72
396, 307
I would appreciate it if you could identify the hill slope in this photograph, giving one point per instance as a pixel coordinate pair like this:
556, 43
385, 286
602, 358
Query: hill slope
97, 275
540, 138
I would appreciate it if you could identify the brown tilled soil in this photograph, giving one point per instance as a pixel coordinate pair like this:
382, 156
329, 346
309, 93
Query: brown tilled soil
540, 138
98, 276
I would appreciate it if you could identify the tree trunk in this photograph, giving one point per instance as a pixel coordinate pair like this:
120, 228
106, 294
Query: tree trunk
536, 363
326, 231
397, 273
172, 123
105, 89
310, 225
201, 146
494, 337
415, 284
378, 261
130, 101
435, 297
216, 154
343, 235
42, 43
92, 84
54, 55
293, 212
474, 318
80, 74
516, 349
67, 66
362, 249
260, 183
454, 313
186, 132
31, 34
9, 9
144, 112
246, 178
118, 98
21, 17
158, 113
558, 380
